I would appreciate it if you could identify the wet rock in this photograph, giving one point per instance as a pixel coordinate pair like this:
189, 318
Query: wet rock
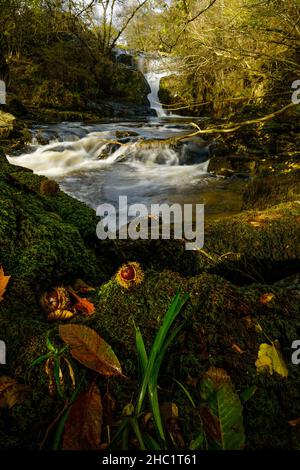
126, 59
122, 134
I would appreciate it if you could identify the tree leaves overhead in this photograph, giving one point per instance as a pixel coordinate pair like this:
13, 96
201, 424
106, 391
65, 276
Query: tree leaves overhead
90, 349
84, 425
12, 392
270, 359
222, 412
3, 283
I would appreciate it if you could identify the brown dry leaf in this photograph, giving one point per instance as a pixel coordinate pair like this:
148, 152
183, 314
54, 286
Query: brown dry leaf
211, 423
84, 425
169, 411
90, 349
250, 323
266, 298
3, 283
109, 405
237, 349
294, 422
85, 307
12, 392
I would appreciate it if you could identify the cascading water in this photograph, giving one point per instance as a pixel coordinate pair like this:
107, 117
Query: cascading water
89, 164
154, 70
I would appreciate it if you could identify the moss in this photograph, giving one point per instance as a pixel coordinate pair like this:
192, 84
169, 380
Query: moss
128, 84
215, 322
49, 239
268, 190
229, 165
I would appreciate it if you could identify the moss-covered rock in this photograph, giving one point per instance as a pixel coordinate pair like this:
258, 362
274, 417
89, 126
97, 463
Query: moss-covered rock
267, 190
230, 165
48, 239
128, 84
220, 330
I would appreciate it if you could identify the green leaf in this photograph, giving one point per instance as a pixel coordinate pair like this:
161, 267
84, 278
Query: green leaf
248, 393
222, 413
173, 311
198, 443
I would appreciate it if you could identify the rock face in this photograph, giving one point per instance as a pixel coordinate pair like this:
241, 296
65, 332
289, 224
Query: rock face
48, 239
129, 85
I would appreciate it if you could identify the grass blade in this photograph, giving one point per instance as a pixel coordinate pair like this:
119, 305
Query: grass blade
173, 311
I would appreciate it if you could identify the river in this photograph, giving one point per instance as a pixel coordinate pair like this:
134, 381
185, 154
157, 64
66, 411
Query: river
97, 163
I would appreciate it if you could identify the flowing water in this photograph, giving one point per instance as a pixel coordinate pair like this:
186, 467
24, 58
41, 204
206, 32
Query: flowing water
88, 162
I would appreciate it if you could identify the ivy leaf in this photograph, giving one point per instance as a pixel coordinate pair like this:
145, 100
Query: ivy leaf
84, 425
222, 411
3, 283
90, 349
270, 359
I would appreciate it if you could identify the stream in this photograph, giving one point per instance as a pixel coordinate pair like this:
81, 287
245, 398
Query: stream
89, 163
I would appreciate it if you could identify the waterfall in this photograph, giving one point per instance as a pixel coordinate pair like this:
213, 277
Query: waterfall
154, 70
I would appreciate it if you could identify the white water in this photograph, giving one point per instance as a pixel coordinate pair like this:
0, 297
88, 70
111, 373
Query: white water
154, 70
88, 164
95, 171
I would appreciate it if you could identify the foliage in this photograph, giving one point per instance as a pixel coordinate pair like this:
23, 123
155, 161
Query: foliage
90, 349
221, 412
270, 359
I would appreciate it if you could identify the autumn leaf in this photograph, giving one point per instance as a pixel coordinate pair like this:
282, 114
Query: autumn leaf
270, 359
12, 392
266, 298
90, 349
83, 305
60, 315
84, 424
3, 283
294, 422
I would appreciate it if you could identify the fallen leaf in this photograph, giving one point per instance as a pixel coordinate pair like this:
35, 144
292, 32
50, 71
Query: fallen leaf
270, 359
60, 315
169, 411
266, 298
250, 323
294, 422
12, 392
90, 349
222, 411
85, 306
84, 424
3, 283
237, 349
109, 405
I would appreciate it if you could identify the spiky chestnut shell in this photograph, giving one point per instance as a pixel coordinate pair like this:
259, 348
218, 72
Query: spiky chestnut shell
130, 274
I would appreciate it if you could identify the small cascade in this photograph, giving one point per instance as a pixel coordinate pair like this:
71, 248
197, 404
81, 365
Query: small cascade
154, 70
